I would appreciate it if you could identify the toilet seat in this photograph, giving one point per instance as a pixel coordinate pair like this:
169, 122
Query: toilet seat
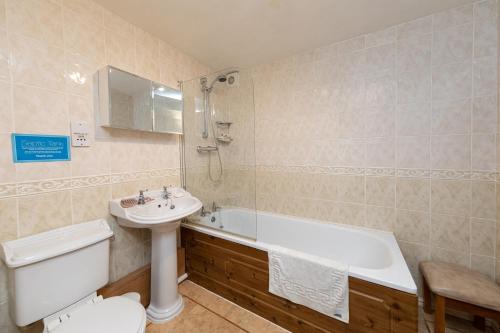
112, 315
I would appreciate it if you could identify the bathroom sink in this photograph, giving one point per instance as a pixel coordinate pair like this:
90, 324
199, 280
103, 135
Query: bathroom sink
155, 213
163, 217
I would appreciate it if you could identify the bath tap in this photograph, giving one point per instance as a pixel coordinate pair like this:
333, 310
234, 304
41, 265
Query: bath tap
215, 208
204, 212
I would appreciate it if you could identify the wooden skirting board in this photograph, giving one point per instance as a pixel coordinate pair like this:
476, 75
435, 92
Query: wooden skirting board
140, 281
240, 274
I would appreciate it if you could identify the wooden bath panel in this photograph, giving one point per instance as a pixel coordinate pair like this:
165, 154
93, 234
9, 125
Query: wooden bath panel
240, 274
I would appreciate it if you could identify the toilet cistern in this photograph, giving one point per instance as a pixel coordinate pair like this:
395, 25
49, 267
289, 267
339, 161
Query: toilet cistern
161, 213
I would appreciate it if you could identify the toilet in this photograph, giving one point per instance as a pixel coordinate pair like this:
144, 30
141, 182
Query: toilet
54, 276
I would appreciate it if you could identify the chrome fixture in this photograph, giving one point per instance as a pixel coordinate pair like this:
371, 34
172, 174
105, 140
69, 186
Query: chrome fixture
166, 194
204, 212
203, 149
141, 200
207, 89
215, 208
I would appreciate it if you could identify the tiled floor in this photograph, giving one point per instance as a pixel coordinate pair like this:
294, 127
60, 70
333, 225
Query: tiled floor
205, 312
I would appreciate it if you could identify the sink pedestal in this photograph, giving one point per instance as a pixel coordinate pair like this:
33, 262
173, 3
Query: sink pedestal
166, 302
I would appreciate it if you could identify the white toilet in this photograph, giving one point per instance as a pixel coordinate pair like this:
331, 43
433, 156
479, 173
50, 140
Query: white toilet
54, 276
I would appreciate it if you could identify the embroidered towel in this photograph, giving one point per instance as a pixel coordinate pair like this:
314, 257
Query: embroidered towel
318, 283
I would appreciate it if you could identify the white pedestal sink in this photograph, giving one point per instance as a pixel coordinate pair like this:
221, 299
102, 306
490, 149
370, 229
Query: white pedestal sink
163, 217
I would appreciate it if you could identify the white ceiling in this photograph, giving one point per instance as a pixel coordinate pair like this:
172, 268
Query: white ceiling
243, 33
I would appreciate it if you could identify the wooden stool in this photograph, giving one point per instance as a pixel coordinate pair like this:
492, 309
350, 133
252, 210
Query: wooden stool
459, 288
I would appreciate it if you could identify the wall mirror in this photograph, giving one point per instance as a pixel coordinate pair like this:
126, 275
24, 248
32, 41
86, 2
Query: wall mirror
128, 101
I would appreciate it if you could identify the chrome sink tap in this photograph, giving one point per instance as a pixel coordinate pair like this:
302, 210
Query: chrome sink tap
166, 193
141, 200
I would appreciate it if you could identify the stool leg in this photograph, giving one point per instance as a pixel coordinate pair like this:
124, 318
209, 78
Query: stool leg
439, 319
479, 322
427, 298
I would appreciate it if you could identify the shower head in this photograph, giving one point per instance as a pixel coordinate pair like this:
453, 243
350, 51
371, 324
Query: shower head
220, 78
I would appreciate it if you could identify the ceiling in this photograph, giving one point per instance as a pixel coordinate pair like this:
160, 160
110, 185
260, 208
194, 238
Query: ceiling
244, 33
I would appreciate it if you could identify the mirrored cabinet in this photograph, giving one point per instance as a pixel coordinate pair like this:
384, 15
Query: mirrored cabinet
127, 101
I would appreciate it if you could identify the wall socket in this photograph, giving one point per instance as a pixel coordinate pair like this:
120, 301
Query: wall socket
80, 134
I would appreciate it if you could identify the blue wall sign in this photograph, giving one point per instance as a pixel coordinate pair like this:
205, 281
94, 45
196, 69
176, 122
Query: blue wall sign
40, 148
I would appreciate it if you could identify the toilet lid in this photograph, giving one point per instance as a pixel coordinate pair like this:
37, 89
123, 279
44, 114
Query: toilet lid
112, 315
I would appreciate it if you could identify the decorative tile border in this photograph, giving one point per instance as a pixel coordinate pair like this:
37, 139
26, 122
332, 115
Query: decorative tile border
49, 185
8, 190
60, 184
388, 172
380, 172
414, 173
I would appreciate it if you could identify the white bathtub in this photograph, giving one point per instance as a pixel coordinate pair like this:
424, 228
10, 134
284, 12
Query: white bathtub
372, 255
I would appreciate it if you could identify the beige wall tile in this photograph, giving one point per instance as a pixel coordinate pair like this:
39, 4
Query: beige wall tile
485, 29
451, 197
42, 171
413, 152
121, 190
5, 64
452, 81
7, 168
38, 19
485, 76
7, 124
412, 226
451, 152
413, 193
414, 119
120, 50
8, 219
42, 212
40, 111
88, 161
497, 271
484, 114
451, 117
84, 36
418, 27
380, 218
350, 189
454, 257
482, 264
117, 24
483, 200
483, 152
79, 71
380, 191
450, 232
147, 55
36, 63
90, 203
483, 236
453, 17
353, 214
86, 10
452, 44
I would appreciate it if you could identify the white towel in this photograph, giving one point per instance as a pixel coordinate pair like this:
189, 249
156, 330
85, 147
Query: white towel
318, 283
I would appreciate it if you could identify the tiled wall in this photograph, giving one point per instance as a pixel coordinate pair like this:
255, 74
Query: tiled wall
49, 50
394, 130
